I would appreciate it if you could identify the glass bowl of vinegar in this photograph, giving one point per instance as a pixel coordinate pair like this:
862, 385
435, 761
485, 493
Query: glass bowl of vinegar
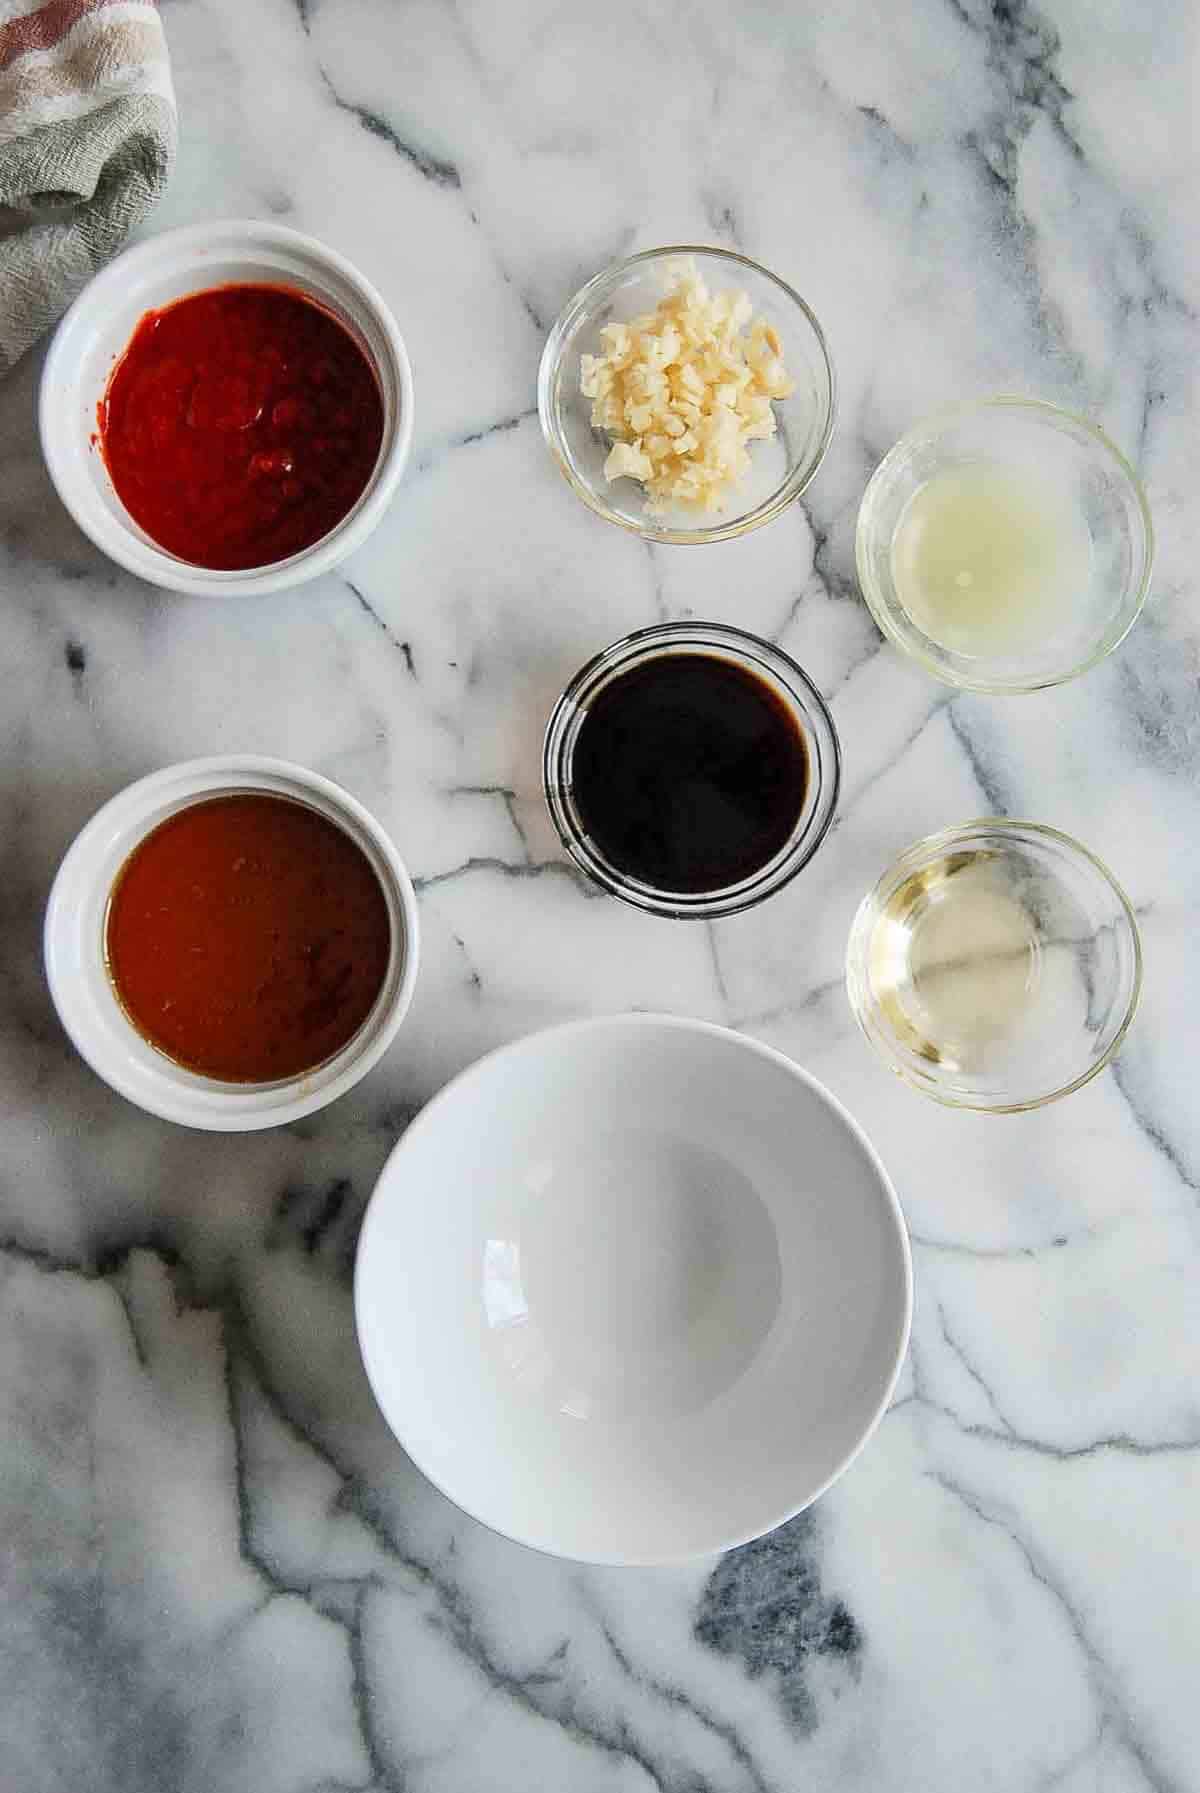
995, 966
1005, 544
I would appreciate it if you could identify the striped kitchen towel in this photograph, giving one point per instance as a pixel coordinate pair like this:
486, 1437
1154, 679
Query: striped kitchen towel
87, 142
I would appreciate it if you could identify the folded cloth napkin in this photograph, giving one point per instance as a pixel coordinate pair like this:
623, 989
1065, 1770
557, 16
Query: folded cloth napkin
87, 142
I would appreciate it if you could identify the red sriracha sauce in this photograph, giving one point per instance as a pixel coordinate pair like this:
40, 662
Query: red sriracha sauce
240, 425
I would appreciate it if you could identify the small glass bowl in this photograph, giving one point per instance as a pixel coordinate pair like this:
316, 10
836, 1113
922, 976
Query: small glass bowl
1076, 467
780, 467
995, 966
792, 687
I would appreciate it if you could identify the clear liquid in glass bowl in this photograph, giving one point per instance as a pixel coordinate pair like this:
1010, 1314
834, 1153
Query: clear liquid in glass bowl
995, 966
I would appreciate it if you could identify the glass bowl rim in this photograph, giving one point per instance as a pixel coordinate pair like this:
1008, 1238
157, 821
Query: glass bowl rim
754, 653
795, 481
1055, 415
863, 1007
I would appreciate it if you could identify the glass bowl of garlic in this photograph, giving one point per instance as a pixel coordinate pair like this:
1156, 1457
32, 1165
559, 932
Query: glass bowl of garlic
687, 394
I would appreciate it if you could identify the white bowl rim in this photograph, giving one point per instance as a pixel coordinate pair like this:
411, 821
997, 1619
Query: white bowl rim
710, 1029
156, 565
230, 1109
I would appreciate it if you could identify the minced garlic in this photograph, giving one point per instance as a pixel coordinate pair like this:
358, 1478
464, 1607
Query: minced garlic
682, 390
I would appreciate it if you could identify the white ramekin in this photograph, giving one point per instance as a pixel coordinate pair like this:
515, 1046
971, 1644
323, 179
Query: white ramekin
96, 330
82, 989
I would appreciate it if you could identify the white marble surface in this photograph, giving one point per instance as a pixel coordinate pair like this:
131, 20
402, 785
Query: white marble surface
217, 1570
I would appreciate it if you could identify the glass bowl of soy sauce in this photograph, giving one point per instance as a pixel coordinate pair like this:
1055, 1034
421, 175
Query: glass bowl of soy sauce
691, 769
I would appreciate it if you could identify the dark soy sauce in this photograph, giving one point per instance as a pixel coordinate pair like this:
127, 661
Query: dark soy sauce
689, 773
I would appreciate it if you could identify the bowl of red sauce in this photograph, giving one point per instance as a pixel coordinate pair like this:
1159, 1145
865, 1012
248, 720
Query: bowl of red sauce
232, 943
227, 409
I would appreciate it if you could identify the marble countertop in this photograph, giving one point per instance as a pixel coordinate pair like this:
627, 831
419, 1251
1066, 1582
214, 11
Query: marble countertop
218, 1570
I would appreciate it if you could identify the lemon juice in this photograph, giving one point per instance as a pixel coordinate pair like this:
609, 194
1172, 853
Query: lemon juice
987, 558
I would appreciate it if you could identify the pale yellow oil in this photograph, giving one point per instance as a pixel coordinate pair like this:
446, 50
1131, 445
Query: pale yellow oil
987, 560
955, 961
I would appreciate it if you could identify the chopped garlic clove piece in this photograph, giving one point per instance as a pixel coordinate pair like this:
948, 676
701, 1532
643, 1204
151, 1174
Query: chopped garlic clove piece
626, 461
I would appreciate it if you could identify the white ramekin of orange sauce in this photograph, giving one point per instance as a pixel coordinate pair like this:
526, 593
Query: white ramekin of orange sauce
232, 943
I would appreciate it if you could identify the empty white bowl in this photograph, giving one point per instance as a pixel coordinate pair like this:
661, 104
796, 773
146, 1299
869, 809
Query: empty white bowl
82, 989
96, 331
633, 1290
